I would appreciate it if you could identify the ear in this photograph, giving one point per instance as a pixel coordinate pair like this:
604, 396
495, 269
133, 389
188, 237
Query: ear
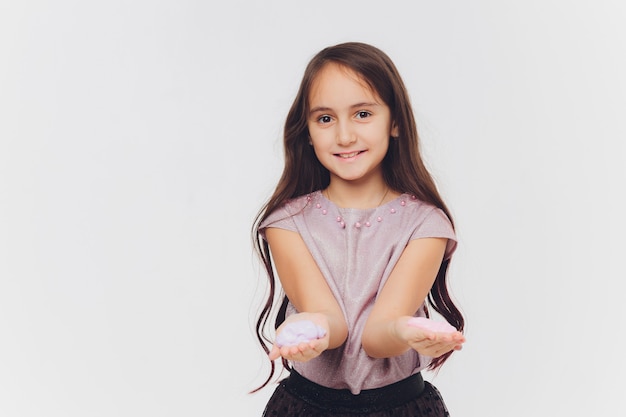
394, 130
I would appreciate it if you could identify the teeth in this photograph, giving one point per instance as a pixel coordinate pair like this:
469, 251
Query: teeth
348, 155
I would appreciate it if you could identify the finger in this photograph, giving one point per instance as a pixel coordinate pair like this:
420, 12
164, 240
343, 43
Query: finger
450, 347
274, 353
293, 350
308, 351
439, 351
430, 336
435, 348
445, 337
458, 336
318, 347
421, 336
284, 351
303, 354
429, 344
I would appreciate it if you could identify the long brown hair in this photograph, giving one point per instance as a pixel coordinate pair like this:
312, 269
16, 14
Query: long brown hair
403, 170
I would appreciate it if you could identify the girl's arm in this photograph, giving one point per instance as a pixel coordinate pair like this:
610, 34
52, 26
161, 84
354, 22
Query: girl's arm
308, 291
386, 332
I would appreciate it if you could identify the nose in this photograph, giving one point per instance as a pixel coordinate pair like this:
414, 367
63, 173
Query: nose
345, 134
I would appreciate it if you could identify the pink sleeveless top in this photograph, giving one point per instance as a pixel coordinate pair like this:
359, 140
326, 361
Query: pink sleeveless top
356, 250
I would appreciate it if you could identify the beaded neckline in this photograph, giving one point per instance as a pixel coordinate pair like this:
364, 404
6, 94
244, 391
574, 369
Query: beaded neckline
367, 217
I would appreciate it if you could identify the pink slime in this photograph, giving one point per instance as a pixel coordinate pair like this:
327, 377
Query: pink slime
431, 325
298, 332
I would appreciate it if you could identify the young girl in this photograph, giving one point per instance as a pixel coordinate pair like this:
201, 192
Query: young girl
360, 240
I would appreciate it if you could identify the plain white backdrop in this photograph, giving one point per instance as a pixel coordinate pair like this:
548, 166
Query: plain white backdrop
138, 139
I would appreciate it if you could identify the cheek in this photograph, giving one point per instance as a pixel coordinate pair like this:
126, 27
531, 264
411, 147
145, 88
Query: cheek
322, 157
321, 138
320, 150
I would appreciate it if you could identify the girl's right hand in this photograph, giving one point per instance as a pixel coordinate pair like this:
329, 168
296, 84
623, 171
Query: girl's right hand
304, 351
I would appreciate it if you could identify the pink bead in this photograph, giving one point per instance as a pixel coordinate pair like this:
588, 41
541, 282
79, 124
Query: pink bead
324, 211
413, 197
379, 219
403, 203
357, 225
368, 224
338, 218
342, 224
393, 210
318, 205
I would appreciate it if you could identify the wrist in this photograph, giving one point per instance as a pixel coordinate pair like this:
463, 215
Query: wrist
385, 338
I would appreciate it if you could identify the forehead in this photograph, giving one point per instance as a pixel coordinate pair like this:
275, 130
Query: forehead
338, 84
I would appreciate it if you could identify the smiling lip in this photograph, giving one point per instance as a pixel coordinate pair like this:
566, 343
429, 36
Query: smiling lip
348, 155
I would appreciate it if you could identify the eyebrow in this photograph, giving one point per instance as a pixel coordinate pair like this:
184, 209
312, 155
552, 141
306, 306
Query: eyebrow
354, 106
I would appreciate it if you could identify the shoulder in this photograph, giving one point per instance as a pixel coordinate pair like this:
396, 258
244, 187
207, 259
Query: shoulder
419, 211
282, 216
427, 220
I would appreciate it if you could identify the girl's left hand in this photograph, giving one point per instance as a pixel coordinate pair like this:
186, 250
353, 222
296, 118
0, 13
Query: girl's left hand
304, 351
426, 342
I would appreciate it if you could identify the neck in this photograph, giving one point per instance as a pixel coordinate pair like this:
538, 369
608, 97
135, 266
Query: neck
359, 196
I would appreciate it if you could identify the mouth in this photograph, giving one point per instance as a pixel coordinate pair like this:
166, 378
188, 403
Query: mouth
348, 155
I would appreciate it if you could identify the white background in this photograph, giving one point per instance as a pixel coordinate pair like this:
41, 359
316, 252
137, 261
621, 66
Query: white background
138, 139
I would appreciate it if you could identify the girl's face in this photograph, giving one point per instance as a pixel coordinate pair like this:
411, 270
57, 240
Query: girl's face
349, 125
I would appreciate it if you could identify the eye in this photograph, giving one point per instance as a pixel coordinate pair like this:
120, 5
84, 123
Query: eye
324, 119
363, 114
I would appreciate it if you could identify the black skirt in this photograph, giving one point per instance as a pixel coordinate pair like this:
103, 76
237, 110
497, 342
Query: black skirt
411, 397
